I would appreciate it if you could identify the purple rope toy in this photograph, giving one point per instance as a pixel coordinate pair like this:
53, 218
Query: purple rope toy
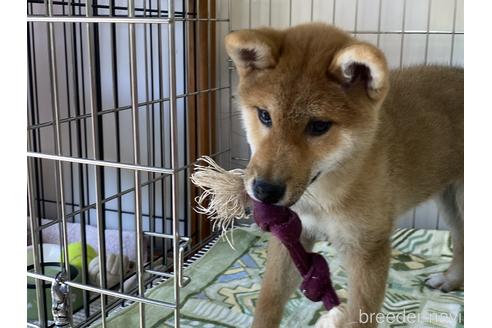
285, 225
224, 199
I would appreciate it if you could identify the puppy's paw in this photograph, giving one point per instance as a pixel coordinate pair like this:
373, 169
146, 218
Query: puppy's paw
444, 281
335, 318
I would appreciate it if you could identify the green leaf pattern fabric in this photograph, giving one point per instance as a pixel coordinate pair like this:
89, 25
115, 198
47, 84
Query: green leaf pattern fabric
225, 286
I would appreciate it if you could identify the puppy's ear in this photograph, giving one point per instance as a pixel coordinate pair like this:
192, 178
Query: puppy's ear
253, 49
362, 63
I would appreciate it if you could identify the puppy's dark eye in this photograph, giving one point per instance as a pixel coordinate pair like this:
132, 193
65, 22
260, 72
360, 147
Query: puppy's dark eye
264, 117
317, 128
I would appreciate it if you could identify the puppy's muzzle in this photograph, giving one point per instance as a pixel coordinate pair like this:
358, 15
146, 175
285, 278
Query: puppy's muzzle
267, 192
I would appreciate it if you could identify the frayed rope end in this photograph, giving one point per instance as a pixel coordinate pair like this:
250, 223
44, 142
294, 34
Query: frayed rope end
223, 198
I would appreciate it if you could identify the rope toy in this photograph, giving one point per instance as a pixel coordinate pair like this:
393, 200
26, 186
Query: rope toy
224, 199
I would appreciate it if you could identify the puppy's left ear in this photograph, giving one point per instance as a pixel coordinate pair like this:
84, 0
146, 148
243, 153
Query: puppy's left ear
362, 63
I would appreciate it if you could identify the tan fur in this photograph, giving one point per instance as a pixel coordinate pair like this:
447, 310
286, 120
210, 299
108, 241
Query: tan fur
396, 140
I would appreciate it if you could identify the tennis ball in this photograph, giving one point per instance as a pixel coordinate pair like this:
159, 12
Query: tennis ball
75, 254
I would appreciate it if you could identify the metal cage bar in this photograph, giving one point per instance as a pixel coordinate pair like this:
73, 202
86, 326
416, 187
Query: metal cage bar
174, 159
136, 159
57, 138
96, 151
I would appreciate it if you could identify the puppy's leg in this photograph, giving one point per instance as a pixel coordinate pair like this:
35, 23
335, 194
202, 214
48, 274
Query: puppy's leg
280, 280
367, 272
367, 269
451, 206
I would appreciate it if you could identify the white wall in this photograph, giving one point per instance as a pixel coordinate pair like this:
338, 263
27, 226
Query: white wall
360, 16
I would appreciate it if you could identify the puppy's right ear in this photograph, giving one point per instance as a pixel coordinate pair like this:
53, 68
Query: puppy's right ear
252, 50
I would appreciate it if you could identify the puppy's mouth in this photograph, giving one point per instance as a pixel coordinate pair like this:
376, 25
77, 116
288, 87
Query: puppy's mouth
316, 176
295, 200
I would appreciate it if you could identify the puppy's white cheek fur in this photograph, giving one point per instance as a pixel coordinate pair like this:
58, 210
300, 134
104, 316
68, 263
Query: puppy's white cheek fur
248, 185
336, 157
246, 121
252, 148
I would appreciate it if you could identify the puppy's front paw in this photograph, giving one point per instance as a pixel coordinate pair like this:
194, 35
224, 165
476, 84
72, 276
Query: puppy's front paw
444, 281
335, 318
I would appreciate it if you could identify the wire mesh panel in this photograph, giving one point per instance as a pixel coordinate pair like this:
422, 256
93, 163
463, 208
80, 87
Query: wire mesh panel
123, 97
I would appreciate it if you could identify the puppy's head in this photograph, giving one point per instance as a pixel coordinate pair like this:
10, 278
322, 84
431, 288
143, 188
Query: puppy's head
310, 97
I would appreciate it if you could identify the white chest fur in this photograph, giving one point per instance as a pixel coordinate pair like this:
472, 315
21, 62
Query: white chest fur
315, 220
321, 223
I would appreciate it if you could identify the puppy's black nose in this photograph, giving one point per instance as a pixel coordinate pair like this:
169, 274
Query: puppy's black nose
267, 192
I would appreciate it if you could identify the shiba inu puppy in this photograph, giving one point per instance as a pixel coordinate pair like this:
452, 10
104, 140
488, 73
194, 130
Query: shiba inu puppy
349, 145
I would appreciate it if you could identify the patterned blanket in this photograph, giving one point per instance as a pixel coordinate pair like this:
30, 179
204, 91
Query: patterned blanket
225, 285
